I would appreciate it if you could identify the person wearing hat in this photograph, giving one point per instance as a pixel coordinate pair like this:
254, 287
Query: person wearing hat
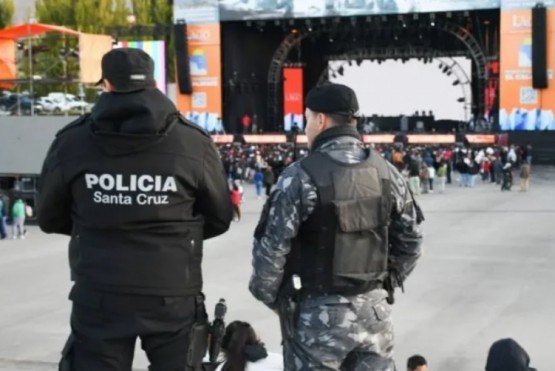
336, 236
138, 189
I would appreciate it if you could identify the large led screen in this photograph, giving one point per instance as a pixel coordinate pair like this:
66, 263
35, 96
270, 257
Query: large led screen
270, 9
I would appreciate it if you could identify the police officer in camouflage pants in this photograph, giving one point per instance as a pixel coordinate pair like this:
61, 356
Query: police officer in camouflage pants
338, 234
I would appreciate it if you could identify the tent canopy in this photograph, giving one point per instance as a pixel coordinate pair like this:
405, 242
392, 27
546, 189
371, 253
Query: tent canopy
33, 29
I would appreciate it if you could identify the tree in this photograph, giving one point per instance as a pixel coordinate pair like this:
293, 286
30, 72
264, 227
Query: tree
7, 10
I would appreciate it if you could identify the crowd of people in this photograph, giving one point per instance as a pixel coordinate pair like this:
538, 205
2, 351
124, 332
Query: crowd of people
428, 168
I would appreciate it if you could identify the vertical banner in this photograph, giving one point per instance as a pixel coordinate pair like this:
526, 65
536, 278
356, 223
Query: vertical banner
157, 51
204, 105
8, 63
293, 105
521, 106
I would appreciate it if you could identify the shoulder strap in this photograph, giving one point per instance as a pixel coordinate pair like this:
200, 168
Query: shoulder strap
183, 121
320, 175
74, 124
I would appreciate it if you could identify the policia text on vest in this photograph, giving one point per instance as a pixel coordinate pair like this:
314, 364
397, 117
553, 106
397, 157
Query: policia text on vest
133, 189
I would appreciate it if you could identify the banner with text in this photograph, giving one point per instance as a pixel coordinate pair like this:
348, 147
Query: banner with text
293, 105
521, 106
204, 105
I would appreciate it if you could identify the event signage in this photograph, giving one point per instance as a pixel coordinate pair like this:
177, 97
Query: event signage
521, 106
293, 102
204, 105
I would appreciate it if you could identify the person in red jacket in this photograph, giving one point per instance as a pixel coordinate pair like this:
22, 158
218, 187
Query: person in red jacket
486, 169
236, 202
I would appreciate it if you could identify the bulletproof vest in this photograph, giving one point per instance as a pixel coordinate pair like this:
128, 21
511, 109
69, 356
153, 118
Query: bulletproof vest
342, 248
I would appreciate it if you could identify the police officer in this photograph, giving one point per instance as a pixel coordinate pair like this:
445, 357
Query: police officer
138, 188
340, 228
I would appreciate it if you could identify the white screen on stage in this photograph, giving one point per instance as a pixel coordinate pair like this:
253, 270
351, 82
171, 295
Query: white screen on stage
394, 88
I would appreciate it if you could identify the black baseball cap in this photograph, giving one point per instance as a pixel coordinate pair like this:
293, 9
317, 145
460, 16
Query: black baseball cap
333, 99
128, 70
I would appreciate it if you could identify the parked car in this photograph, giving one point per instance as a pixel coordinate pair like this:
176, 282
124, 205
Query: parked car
15, 104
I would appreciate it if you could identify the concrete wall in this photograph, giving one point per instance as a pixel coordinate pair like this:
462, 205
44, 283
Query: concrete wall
24, 142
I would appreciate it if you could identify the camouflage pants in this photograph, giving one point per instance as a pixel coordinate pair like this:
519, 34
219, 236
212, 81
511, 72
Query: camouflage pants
342, 333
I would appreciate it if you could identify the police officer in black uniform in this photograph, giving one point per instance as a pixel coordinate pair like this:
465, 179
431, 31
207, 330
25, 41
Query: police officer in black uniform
138, 188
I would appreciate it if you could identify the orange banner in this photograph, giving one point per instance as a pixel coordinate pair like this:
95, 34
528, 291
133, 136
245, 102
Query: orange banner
481, 138
8, 67
378, 138
91, 50
431, 139
521, 106
221, 139
301, 139
293, 105
265, 139
204, 105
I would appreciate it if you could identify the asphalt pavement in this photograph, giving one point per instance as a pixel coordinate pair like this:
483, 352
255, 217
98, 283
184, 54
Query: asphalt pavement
486, 274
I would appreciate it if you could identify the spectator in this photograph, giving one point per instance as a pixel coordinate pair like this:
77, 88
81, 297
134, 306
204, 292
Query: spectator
424, 178
3, 217
507, 178
431, 178
258, 182
417, 363
524, 177
485, 170
414, 176
269, 180
507, 355
244, 351
442, 176
236, 202
18, 218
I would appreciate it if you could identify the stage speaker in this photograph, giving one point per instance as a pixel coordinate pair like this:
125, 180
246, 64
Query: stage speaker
539, 47
182, 59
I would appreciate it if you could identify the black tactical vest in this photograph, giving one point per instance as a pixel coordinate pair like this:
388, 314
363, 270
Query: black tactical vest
343, 246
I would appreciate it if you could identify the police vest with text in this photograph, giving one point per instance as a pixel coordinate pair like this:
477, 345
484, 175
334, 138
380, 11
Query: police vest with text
343, 246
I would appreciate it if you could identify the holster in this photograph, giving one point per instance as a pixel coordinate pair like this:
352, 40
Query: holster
198, 342
391, 282
288, 314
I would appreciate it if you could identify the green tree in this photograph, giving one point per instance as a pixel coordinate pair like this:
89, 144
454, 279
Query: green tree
155, 13
7, 10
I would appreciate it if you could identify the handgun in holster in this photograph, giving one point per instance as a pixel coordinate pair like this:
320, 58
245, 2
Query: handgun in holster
391, 282
288, 307
198, 342
217, 331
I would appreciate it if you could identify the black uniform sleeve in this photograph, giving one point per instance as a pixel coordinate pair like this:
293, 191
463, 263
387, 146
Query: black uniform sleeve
54, 196
214, 200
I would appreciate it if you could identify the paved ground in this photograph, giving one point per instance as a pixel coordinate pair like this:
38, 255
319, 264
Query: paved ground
486, 274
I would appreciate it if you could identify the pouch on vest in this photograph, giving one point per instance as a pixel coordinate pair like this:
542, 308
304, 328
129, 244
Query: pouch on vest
361, 239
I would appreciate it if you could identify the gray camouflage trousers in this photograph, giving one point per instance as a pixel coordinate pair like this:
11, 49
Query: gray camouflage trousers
342, 333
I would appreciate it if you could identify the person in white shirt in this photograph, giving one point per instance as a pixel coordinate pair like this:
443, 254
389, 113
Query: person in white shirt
244, 351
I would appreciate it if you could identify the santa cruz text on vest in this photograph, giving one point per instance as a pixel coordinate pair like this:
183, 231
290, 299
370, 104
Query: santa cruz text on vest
130, 188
